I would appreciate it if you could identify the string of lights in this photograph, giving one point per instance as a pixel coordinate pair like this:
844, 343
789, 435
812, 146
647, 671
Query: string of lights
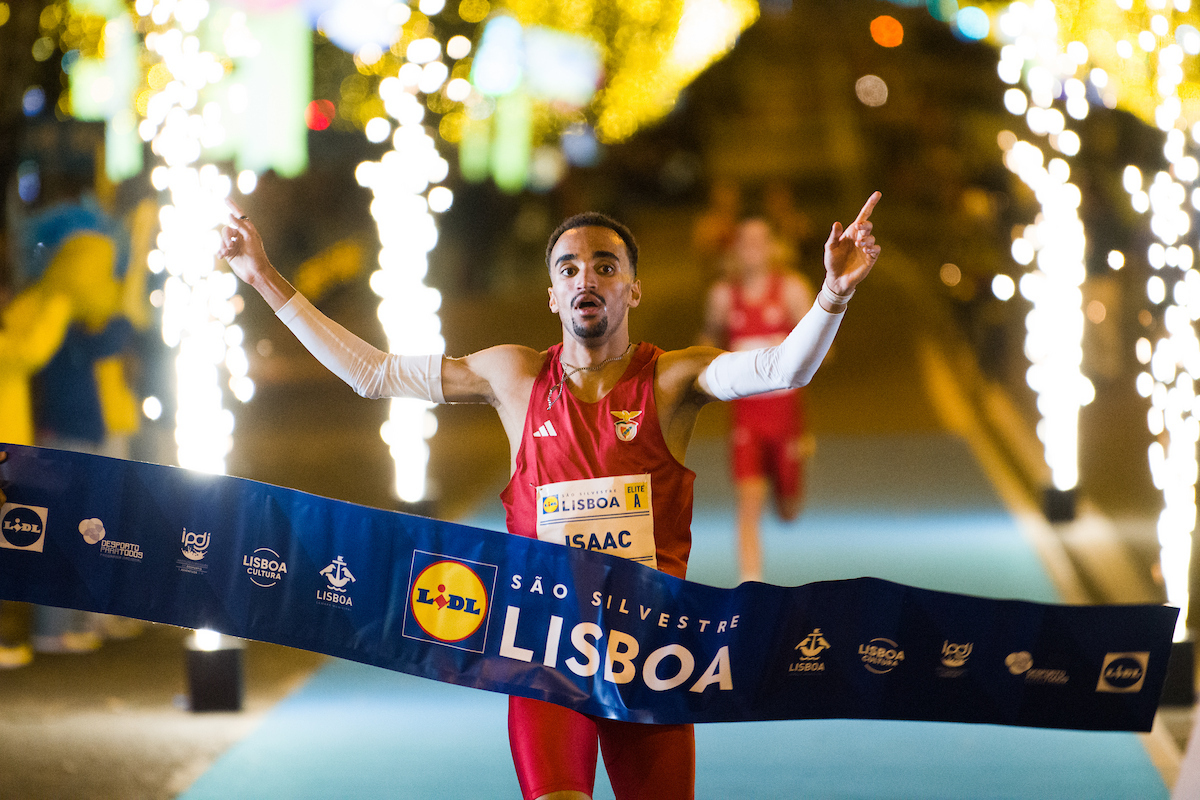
1054, 244
1172, 361
199, 303
406, 197
1134, 56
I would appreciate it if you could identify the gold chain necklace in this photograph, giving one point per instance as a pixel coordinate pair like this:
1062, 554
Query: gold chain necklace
557, 389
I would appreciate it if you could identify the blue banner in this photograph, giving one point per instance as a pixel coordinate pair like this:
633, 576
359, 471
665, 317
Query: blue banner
581, 629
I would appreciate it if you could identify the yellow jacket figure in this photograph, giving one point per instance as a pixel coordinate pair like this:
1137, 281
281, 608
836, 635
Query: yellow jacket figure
85, 396
32, 328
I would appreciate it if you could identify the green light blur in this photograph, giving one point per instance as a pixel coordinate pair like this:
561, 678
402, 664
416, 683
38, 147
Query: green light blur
513, 145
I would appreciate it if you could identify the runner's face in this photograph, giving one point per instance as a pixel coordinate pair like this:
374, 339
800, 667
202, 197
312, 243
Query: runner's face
753, 246
592, 286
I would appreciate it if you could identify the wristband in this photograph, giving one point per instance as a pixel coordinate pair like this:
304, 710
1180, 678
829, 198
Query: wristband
832, 298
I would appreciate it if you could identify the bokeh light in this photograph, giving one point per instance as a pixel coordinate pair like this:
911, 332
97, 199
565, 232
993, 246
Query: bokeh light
33, 101
972, 23
871, 90
887, 31
1003, 287
319, 114
950, 274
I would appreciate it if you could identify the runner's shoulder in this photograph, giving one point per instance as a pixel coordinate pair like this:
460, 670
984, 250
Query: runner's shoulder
507, 360
677, 370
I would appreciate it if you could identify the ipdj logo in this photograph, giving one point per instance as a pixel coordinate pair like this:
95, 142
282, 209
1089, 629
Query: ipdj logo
956, 655
195, 545
22, 527
448, 601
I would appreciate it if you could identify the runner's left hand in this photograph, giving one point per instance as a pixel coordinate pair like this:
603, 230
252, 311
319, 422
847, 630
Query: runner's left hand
850, 253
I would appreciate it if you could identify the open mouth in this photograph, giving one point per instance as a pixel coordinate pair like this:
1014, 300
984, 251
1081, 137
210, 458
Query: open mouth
588, 302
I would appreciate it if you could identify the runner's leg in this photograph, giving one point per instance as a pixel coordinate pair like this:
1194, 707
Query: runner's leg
649, 762
554, 749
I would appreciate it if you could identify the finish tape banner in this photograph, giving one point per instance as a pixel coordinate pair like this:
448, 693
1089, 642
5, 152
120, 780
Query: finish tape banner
581, 629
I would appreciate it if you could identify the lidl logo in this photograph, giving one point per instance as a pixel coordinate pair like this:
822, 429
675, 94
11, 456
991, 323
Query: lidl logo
449, 601
550, 504
1123, 673
22, 527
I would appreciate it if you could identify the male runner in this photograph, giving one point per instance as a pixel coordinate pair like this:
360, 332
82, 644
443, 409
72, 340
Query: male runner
757, 306
595, 408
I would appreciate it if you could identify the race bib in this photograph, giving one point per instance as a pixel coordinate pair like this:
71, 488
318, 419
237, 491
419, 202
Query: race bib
612, 515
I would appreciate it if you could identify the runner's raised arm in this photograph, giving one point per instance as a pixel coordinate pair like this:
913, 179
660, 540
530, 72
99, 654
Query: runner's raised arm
371, 372
850, 254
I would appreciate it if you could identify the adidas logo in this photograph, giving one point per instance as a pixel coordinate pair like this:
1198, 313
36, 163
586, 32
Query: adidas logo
546, 430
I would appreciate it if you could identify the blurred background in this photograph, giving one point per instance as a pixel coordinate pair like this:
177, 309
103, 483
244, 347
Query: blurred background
405, 164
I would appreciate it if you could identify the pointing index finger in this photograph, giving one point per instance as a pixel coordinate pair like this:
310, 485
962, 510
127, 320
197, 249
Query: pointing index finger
868, 207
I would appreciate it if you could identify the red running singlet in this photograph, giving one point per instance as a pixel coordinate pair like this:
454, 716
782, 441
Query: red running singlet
766, 429
599, 476
617, 437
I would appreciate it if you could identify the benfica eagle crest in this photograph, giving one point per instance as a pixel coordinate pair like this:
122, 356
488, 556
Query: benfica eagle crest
626, 427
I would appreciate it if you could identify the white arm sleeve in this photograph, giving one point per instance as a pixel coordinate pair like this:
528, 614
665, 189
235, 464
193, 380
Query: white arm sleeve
367, 369
786, 366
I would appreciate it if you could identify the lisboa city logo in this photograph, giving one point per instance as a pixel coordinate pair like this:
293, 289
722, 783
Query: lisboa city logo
448, 601
22, 527
810, 648
339, 577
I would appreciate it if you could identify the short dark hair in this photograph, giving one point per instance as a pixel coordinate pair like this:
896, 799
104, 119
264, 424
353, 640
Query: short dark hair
597, 220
